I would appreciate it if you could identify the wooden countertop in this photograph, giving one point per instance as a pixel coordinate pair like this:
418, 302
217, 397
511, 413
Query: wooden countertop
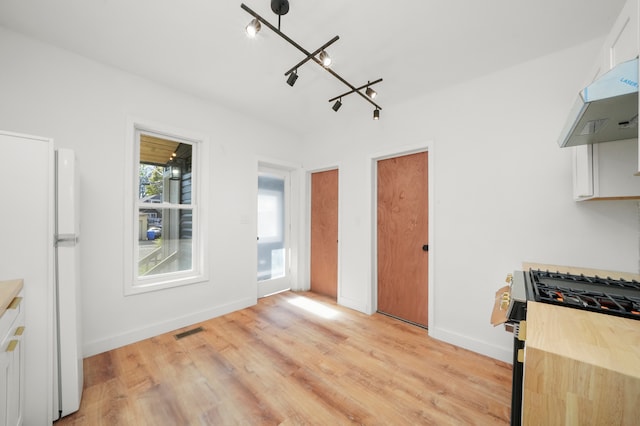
8, 290
601, 340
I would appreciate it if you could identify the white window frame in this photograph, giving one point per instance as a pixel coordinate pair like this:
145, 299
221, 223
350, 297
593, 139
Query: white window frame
133, 284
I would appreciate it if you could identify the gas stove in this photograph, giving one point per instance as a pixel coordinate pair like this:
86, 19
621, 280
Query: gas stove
592, 293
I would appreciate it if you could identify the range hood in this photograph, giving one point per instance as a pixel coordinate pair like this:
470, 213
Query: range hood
606, 110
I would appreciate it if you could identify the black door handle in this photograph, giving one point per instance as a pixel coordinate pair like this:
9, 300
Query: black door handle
425, 247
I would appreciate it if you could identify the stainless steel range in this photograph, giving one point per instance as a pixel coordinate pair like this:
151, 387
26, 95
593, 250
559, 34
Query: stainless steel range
604, 295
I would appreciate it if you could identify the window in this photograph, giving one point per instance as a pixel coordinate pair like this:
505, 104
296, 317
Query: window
166, 224
271, 235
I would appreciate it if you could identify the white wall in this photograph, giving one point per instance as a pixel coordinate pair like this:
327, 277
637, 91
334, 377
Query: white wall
84, 106
501, 186
501, 189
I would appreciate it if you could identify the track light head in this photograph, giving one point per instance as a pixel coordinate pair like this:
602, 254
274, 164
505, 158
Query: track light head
325, 59
376, 114
337, 105
253, 28
371, 93
292, 78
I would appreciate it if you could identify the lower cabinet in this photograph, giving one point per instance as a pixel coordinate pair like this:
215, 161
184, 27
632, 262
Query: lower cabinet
580, 368
12, 363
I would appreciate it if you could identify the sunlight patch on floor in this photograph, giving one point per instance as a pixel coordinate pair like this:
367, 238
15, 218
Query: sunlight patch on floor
314, 307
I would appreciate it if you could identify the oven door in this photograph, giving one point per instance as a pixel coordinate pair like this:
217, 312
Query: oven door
518, 321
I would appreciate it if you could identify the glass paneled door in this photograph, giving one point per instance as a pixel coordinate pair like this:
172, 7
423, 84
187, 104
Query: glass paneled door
273, 231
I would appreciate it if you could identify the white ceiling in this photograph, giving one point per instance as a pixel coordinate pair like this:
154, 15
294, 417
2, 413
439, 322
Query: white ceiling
416, 46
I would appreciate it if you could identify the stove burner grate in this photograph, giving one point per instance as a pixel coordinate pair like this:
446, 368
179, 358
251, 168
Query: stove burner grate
595, 280
603, 295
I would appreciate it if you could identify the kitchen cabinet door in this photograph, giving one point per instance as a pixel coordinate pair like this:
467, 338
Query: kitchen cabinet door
4, 382
622, 43
12, 364
30, 228
606, 171
582, 172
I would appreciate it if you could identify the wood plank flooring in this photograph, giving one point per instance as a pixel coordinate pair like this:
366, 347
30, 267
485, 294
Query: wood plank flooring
280, 363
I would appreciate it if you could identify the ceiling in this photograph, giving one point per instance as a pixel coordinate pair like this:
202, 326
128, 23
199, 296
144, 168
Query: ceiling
416, 46
154, 150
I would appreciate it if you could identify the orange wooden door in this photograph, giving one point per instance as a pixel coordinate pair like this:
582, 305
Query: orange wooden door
324, 233
403, 237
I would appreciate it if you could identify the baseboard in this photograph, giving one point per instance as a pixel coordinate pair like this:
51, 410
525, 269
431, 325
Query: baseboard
478, 346
102, 345
353, 304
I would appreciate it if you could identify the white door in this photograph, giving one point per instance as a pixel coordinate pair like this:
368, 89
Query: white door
274, 254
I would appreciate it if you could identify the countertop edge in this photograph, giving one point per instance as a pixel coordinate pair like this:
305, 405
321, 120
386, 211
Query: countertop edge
8, 290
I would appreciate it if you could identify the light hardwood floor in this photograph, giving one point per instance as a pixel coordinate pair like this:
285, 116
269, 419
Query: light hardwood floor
279, 363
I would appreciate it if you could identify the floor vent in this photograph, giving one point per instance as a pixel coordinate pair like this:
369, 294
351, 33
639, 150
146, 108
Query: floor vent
188, 332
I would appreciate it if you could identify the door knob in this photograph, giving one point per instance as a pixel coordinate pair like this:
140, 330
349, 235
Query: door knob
425, 247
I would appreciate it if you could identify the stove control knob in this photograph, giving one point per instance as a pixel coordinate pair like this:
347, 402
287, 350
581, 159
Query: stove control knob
505, 299
522, 331
509, 278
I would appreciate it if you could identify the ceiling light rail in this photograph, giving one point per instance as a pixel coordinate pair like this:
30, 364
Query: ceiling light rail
312, 55
369, 92
281, 7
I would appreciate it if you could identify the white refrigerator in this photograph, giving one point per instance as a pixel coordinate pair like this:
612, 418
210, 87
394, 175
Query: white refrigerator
39, 243
68, 372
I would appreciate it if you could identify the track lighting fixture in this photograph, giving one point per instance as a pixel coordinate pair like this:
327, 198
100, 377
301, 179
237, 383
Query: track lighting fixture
325, 59
253, 28
292, 78
280, 8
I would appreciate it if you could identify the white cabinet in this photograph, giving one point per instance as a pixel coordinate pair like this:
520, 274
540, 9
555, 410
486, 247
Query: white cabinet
622, 43
606, 171
610, 170
27, 229
12, 363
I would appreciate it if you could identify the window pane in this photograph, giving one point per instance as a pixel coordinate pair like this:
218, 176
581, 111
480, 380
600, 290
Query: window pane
164, 243
164, 170
151, 183
271, 238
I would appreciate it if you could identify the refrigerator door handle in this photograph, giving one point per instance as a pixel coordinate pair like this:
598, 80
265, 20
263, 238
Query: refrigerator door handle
66, 238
